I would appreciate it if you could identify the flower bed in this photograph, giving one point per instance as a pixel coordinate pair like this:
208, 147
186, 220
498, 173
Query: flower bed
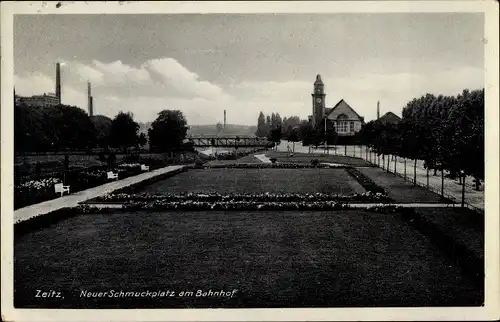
159, 205
364, 181
237, 197
34, 191
263, 166
233, 205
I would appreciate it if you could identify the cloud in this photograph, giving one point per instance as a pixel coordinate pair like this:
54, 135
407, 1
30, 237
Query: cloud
164, 83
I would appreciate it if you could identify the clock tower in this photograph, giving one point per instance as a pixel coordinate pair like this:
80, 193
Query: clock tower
318, 98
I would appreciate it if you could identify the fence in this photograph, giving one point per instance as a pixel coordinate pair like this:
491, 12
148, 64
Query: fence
361, 152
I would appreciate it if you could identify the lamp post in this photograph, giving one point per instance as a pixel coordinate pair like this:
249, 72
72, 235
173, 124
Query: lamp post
326, 151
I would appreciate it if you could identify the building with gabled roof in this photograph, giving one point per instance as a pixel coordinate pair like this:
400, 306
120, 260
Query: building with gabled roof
341, 116
389, 117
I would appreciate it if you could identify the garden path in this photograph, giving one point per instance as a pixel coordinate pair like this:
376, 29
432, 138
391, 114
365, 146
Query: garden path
74, 199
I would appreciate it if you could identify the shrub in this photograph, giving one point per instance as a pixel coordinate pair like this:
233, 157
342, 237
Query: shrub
102, 157
132, 158
314, 162
365, 182
273, 160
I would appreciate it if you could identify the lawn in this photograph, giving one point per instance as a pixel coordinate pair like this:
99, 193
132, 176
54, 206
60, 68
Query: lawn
284, 157
348, 258
398, 189
258, 181
246, 159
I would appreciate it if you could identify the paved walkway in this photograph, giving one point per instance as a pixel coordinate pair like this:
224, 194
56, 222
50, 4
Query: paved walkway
262, 158
74, 199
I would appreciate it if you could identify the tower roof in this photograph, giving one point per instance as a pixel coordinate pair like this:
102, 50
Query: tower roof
318, 80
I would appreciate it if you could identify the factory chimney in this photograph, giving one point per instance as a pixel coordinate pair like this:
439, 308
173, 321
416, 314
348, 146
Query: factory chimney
378, 110
224, 118
58, 82
90, 100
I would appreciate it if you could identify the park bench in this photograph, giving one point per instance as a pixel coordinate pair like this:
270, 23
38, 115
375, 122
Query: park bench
144, 167
60, 188
112, 175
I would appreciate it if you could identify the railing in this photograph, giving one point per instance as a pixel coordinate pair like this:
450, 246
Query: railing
233, 141
341, 150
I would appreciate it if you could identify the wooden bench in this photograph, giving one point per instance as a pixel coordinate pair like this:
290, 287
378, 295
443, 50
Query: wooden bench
61, 188
112, 175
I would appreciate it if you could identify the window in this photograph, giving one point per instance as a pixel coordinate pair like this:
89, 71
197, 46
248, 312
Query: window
351, 126
342, 126
342, 123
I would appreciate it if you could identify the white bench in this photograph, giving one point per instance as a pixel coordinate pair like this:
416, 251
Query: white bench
61, 188
144, 167
112, 175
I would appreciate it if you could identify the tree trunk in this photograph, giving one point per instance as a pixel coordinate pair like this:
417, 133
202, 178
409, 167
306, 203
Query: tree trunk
435, 171
405, 168
395, 160
354, 151
442, 181
427, 177
463, 190
293, 146
415, 173
345, 150
388, 163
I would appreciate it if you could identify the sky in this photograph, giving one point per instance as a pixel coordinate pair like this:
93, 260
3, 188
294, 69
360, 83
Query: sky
203, 64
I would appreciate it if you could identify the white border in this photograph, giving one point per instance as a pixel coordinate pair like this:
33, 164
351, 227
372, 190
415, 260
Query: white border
489, 312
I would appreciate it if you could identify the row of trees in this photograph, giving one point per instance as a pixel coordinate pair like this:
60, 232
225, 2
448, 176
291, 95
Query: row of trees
293, 129
62, 127
447, 132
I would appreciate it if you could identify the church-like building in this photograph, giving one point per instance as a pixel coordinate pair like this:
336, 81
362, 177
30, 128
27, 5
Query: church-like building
342, 117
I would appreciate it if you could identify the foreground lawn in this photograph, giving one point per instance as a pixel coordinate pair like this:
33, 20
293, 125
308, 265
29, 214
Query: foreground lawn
272, 259
258, 180
306, 158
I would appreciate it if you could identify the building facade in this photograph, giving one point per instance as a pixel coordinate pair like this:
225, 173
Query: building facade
49, 99
342, 117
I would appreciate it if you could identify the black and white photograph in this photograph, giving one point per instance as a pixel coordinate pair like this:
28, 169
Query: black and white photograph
222, 156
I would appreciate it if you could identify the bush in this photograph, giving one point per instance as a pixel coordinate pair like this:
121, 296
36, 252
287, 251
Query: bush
365, 182
314, 162
273, 160
111, 160
102, 157
132, 158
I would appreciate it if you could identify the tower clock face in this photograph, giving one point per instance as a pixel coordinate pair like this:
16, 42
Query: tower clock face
318, 100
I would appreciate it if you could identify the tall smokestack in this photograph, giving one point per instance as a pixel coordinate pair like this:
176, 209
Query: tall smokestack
224, 118
58, 82
378, 110
91, 106
89, 98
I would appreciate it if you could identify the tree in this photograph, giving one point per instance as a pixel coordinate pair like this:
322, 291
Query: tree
142, 140
269, 123
262, 128
168, 131
218, 128
275, 136
294, 136
51, 128
102, 126
124, 131
278, 121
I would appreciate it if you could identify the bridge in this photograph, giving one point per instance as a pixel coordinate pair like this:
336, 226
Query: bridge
228, 141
